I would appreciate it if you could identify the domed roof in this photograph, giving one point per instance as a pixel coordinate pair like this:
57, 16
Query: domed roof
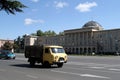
93, 25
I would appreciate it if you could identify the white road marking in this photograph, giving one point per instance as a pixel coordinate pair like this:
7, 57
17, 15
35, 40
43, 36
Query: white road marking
111, 69
94, 76
82, 75
97, 67
87, 64
114, 69
98, 70
65, 72
31, 76
93, 64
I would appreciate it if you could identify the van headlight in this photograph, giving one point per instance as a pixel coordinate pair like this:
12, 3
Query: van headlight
56, 57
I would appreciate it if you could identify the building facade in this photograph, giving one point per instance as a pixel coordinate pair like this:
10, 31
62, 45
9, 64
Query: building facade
46, 40
92, 38
86, 40
3, 41
30, 40
51, 40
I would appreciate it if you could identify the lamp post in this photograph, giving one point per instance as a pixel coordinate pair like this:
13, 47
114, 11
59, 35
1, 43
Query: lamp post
101, 47
116, 46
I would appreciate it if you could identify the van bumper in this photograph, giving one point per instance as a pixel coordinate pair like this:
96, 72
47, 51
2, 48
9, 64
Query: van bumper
59, 62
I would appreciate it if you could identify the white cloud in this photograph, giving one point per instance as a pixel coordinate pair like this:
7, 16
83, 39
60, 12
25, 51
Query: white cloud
60, 4
85, 7
29, 21
35, 0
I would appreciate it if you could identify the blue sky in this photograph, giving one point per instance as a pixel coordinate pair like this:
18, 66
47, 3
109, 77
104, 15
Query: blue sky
59, 15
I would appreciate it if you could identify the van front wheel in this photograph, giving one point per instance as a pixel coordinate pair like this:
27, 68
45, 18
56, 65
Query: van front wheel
60, 65
46, 64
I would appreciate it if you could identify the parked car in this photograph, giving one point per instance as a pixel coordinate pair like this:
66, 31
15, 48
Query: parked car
6, 54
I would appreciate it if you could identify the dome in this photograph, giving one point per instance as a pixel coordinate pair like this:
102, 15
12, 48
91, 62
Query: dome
93, 25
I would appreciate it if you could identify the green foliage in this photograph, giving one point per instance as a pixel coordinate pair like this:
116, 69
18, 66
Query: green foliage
46, 33
15, 46
61, 33
11, 6
19, 42
49, 33
39, 33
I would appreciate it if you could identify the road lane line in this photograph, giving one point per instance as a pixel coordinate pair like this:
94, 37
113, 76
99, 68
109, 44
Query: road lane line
112, 69
92, 64
97, 67
31, 76
88, 64
94, 76
82, 75
97, 70
65, 72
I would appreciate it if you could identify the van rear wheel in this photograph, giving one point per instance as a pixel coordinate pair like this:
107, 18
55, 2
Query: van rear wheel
32, 62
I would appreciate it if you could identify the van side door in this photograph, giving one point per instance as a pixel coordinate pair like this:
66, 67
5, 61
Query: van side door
47, 55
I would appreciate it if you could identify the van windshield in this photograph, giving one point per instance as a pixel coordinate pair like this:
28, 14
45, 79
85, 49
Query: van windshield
57, 50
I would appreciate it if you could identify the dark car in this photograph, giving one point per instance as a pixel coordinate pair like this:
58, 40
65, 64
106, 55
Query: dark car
6, 54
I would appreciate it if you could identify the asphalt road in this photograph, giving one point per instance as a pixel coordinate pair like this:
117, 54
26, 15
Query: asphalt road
77, 68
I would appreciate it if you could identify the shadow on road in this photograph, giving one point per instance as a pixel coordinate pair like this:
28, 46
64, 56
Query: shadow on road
36, 66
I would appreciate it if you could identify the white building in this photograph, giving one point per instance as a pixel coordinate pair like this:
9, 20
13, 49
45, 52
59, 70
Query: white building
51, 40
30, 40
3, 41
92, 38
86, 40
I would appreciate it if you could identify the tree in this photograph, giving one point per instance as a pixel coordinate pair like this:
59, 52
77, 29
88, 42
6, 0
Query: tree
15, 46
19, 43
7, 46
11, 6
49, 33
61, 33
40, 33
22, 41
33, 34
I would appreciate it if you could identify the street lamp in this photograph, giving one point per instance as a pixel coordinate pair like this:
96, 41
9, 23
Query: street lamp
116, 47
101, 46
